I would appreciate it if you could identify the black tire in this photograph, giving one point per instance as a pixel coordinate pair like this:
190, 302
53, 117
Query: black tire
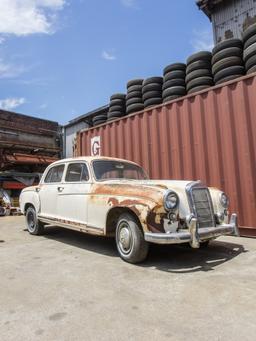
228, 52
174, 82
99, 118
115, 114
228, 78
120, 108
133, 88
175, 90
134, 100
174, 75
130, 241
133, 94
200, 64
96, 123
34, 226
249, 52
114, 118
117, 102
199, 82
251, 70
151, 94
202, 55
134, 108
174, 67
250, 63
152, 101
225, 63
171, 98
233, 42
132, 82
153, 80
230, 71
204, 245
117, 96
152, 87
198, 73
249, 32
198, 88
250, 41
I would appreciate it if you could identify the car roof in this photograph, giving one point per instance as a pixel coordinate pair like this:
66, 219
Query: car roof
90, 159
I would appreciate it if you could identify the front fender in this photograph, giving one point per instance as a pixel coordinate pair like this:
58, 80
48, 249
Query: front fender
29, 196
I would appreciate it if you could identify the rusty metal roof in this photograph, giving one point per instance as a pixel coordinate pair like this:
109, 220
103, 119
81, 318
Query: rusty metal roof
207, 6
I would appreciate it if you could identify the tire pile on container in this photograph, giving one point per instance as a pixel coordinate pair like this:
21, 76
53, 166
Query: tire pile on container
134, 101
199, 72
227, 60
152, 91
117, 106
174, 85
99, 119
249, 55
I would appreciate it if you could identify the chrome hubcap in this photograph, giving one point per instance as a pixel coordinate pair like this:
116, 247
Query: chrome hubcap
125, 239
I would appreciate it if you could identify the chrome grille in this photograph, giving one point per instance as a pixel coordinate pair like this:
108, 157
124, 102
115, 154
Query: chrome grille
201, 206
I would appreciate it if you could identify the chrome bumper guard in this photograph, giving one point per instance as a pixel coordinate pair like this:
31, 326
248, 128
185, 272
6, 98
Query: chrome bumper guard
194, 235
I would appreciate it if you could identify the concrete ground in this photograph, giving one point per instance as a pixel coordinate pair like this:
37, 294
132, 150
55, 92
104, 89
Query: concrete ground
71, 286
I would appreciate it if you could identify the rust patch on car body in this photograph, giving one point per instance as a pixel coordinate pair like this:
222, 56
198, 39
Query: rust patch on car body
144, 200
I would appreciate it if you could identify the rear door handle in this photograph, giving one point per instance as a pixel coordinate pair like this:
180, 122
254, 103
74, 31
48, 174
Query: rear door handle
60, 189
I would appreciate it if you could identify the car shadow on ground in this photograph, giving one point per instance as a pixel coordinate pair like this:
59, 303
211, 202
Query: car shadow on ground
169, 258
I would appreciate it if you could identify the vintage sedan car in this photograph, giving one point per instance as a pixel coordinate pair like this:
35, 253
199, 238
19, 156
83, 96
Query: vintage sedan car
114, 197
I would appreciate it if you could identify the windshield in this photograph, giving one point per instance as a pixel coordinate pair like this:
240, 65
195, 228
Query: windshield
110, 169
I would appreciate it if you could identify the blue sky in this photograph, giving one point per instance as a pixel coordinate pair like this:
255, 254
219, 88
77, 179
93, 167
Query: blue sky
60, 59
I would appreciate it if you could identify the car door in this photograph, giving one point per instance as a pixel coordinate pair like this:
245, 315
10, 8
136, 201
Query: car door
72, 198
48, 191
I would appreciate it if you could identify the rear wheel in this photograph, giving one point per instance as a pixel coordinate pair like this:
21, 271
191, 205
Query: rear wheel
130, 241
34, 226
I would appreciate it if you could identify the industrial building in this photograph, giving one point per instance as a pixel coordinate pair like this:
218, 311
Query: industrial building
229, 17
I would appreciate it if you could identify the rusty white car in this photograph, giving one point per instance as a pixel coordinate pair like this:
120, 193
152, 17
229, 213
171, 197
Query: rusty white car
114, 197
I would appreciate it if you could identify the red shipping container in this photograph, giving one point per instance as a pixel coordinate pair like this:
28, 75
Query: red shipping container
210, 136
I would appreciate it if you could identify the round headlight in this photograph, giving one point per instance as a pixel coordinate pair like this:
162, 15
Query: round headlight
224, 200
171, 200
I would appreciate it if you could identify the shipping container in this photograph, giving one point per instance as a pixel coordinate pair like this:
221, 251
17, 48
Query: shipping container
209, 136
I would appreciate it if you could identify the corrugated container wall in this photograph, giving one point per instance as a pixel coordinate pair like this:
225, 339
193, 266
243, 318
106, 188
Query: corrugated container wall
209, 136
231, 18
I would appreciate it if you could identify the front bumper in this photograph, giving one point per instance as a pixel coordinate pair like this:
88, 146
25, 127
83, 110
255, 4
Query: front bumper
194, 235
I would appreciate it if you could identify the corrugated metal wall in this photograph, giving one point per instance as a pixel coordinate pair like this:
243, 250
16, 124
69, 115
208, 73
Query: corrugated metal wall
230, 18
209, 136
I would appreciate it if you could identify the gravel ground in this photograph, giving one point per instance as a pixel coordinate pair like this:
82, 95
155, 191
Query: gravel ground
70, 286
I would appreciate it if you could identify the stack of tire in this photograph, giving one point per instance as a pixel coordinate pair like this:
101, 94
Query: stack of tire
199, 72
174, 85
99, 119
134, 100
249, 55
117, 106
152, 91
227, 60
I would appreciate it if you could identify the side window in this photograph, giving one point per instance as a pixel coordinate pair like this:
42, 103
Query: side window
54, 174
77, 172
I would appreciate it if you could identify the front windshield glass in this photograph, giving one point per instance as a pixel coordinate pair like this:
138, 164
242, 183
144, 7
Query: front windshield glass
111, 169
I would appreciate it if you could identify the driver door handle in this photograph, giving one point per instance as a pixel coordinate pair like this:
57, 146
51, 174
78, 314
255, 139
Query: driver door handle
60, 189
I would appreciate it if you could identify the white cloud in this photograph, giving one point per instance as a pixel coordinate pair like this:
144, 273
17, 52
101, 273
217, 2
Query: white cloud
2, 40
43, 106
108, 55
202, 40
9, 70
23, 17
11, 103
129, 3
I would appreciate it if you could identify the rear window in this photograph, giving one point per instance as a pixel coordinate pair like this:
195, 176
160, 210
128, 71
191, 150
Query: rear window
77, 172
54, 174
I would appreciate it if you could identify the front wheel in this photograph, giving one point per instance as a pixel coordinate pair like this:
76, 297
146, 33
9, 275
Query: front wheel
130, 241
33, 224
